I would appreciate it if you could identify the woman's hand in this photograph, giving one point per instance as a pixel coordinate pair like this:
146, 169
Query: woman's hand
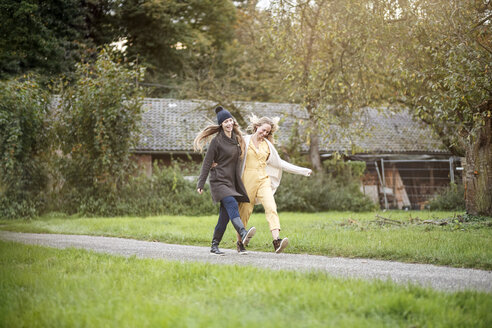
200, 191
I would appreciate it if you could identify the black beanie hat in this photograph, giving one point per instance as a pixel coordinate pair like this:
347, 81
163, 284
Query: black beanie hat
222, 114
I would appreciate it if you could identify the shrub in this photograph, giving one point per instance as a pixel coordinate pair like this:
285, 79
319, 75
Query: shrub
165, 192
321, 192
344, 172
98, 123
337, 188
168, 192
23, 144
451, 198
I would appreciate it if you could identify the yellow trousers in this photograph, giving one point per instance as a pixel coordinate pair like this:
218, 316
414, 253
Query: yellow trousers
258, 186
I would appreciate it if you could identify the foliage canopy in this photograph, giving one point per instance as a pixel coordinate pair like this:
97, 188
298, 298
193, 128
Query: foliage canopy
97, 122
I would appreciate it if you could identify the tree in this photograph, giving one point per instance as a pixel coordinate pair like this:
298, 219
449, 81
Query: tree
23, 145
167, 35
328, 55
36, 37
50, 36
242, 71
97, 124
443, 55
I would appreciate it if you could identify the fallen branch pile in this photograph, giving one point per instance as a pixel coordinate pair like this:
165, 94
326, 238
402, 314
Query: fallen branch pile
459, 220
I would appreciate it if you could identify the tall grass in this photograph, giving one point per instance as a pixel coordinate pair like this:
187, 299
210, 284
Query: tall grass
43, 287
345, 234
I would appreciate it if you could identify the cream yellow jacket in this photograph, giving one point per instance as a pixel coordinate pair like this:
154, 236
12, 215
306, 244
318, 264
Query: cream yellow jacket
275, 165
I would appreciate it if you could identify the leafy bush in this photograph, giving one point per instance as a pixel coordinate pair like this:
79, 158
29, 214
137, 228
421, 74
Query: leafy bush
97, 124
168, 192
335, 189
23, 144
321, 192
165, 192
344, 172
451, 198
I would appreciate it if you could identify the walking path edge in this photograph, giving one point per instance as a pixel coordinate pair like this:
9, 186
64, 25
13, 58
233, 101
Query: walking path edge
426, 275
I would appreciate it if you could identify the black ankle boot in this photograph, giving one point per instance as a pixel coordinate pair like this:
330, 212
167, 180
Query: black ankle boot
240, 248
280, 244
215, 247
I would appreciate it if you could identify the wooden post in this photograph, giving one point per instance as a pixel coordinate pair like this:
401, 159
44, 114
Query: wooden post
432, 180
451, 170
393, 178
382, 183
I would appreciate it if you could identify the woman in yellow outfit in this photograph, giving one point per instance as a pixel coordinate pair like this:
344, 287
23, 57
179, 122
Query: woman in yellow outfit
261, 173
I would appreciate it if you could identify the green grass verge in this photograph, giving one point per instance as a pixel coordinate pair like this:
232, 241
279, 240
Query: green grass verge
44, 287
347, 234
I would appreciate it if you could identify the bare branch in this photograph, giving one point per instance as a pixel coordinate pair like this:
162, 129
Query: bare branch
480, 23
483, 46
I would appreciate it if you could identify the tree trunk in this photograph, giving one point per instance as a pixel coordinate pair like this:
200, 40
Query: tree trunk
478, 173
314, 156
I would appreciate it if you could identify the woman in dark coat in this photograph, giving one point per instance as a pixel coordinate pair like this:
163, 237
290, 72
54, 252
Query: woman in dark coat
225, 149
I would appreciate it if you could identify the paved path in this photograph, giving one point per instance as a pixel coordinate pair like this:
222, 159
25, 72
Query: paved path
438, 277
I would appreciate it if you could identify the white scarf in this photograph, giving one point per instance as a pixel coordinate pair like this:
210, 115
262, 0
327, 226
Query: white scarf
275, 165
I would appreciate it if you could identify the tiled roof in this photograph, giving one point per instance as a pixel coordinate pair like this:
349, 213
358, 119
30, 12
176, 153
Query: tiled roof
170, 125
385, 131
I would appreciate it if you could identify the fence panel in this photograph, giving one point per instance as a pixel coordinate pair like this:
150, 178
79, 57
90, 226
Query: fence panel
409, 184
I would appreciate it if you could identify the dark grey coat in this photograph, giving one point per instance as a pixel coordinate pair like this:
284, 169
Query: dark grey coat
225, 178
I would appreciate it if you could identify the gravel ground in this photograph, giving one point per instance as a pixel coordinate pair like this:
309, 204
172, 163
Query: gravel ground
438, 277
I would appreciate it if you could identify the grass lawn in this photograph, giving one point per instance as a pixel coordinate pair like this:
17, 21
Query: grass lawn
348, 234
44, 287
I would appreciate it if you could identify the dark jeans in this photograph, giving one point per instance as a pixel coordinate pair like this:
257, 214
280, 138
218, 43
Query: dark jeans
229, 209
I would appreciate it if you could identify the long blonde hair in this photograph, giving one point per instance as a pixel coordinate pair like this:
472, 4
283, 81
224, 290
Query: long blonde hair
256, 122
206, 134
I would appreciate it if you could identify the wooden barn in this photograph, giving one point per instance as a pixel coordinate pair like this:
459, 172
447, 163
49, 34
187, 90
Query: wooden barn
406, 164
